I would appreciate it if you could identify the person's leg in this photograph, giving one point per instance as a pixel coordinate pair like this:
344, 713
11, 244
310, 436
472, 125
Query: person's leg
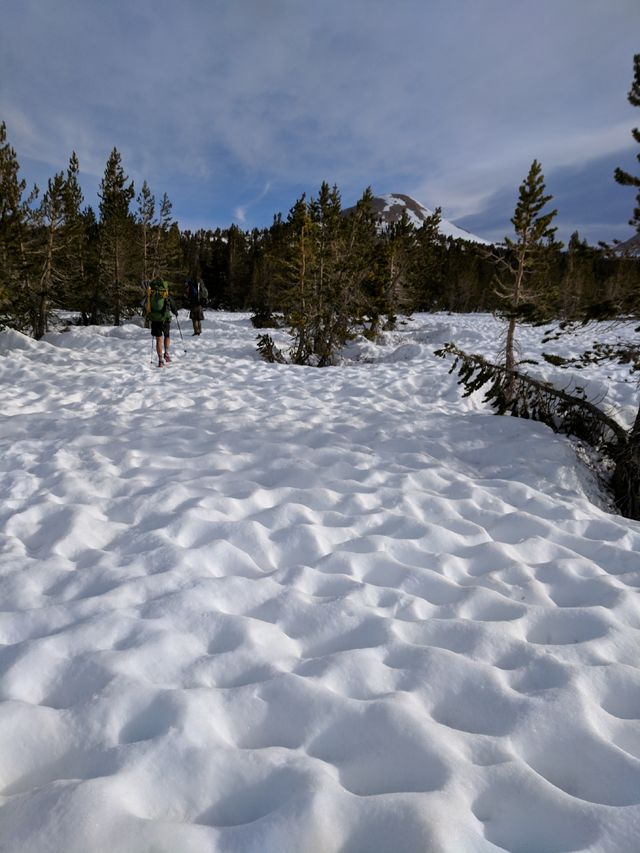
156, 332
167, 341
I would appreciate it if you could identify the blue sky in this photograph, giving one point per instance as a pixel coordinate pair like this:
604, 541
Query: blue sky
235, 108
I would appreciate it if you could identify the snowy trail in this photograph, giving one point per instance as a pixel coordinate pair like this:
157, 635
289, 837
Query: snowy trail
250, 607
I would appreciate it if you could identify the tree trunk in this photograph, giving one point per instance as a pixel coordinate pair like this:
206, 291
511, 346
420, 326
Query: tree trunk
626, 477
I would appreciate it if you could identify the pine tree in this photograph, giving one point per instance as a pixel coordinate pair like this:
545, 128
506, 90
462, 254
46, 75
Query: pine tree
622, 177
89, 298
578, 286
323, 263
48, 244
167, 254
116, 242
364, 265
516, 287
426, 270
76, 239
236, 272
327, 308
15, 214
394, 293
156, 251
205, 255
294, 278
265, 298
626, 477
42, 246
145, 220
168, 258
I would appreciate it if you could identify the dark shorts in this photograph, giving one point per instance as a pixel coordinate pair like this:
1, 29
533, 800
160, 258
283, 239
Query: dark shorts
196, 313
160, 328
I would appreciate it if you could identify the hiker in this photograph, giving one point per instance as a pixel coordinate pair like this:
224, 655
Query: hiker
196, 294
160, 307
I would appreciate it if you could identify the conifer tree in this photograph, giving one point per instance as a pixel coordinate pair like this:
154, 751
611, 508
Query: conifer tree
294, 276
15, 214
402, 243
578, 288
389, 291
265, 298
626, 478
622, 177
76, 238
526, 255
327, 308
362, 264
156, 252
234, 273
323, 273
116, 242
167, 253
168, 258
426, 270
89, 298
145, 220
257, 271
49, 242
44, 243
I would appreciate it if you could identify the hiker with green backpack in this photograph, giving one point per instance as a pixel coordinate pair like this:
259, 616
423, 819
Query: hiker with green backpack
159, 308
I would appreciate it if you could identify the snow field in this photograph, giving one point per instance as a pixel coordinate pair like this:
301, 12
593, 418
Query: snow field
251, 607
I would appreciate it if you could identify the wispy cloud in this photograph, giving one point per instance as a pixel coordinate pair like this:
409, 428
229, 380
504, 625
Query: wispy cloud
448, 100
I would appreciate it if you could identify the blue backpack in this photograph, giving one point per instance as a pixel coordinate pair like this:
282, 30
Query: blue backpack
197, 293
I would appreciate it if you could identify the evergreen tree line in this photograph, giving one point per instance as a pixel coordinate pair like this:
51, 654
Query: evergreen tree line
56, 254
410, 268
322, 272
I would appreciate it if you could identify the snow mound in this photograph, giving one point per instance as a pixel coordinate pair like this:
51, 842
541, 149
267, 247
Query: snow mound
11, 340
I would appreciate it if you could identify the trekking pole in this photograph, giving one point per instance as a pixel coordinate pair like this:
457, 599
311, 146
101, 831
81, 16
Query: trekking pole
180, 330
153, 349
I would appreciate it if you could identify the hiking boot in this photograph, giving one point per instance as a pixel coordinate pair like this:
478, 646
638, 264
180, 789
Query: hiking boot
167, 357
160, 363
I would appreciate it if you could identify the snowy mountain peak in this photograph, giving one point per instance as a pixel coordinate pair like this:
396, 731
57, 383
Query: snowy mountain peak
630, 248
391, 205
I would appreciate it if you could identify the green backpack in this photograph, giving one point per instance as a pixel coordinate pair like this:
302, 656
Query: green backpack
157, 295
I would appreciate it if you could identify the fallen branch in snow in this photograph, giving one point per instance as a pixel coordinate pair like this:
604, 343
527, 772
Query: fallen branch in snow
269, 351
565, 413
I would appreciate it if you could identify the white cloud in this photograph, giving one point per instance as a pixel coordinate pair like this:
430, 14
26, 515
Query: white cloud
453, 99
